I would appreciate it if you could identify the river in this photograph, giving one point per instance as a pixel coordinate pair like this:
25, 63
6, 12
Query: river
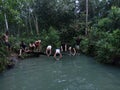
70, 73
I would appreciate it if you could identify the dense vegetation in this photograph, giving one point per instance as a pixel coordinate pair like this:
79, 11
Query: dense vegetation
56, 21
104, 37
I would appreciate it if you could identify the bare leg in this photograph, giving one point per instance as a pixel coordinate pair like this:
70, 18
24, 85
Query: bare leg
39, 48
55, 56
60, 55
20, 53
48, 52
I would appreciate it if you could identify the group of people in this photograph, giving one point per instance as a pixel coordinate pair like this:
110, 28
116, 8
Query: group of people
33, 46
72, 50
36, 46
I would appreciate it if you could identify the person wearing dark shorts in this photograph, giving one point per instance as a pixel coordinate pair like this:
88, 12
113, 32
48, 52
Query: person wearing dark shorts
22, 48
77, 46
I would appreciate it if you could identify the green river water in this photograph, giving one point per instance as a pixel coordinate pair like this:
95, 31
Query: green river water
70, 73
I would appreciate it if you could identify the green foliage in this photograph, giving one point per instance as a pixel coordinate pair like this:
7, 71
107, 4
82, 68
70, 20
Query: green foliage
107, 45
104, 51
104, 46
104, 24
3, 59
24, 16
85, 45
3, 63
111, 22
88, 46
104, 38
50, 37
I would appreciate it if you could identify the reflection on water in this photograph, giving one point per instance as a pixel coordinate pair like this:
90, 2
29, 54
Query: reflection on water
70, 73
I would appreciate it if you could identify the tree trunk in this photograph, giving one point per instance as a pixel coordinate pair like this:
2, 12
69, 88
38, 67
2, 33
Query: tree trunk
36, 24
18, 33
86, 30
6, 22
30, 23
27, 26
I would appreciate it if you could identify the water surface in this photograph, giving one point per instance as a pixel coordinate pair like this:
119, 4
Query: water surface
70, 73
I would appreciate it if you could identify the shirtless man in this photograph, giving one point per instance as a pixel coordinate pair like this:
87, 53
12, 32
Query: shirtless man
22, 48
32, 46
37, 45
6, 37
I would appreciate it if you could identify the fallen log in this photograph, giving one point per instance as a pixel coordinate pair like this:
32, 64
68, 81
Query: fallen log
37, 54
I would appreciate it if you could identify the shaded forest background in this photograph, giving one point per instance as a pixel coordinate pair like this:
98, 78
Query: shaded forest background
56, 21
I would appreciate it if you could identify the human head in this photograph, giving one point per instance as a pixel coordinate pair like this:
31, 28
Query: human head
39, 40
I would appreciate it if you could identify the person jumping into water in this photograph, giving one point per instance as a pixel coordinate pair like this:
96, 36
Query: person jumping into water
48, 50
57, 53
72, 51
